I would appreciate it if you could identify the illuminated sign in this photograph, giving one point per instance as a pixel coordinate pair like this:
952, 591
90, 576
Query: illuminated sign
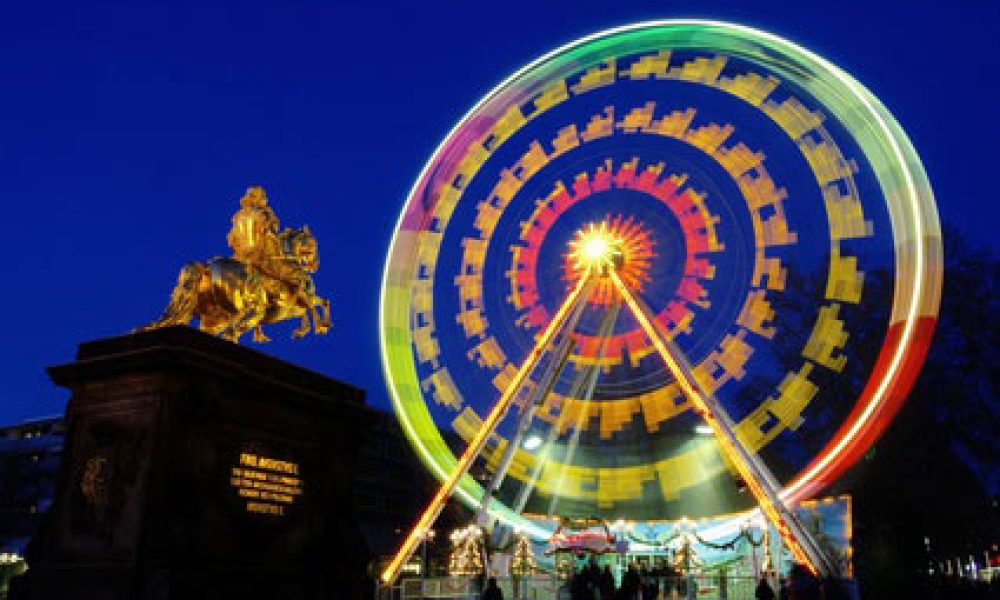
268, 484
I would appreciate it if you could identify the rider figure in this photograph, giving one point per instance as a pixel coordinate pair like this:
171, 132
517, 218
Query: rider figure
256, 242
254, 236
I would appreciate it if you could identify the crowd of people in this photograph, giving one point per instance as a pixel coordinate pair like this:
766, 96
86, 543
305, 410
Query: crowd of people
594, 583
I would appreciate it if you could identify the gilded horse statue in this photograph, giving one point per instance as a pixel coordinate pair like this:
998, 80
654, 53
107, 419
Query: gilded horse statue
267, 280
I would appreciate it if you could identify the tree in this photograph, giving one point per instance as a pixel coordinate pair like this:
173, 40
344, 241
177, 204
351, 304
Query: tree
522, 562
467, 551
927, 489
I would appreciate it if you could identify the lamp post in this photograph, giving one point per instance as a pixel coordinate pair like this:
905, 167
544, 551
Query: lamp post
428, 535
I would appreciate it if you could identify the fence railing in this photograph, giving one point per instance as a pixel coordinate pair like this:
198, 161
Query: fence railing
550, 587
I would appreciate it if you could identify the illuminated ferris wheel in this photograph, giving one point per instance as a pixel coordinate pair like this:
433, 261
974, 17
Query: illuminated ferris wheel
658, 268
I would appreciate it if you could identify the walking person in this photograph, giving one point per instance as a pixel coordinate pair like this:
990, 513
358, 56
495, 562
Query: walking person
763, 591
492, 591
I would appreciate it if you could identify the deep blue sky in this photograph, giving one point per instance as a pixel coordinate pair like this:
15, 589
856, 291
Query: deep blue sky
129, 131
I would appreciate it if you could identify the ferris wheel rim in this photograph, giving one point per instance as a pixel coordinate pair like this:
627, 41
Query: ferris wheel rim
922, 300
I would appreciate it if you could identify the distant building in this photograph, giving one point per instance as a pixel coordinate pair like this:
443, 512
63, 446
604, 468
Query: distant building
30, 455
389, 483
392, 488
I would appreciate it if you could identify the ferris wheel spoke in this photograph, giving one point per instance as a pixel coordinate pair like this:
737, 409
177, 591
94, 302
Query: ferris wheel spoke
542, 389
576, 297
585, 393
754, 472
581, 388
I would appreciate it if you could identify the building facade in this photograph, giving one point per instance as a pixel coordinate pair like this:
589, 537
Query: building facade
29, 467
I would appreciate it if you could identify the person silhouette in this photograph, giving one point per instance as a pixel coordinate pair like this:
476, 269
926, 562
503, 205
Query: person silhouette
492, 591
763, 591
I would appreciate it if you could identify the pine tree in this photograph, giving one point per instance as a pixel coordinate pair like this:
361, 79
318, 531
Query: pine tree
467, 551
523, 562
686, 558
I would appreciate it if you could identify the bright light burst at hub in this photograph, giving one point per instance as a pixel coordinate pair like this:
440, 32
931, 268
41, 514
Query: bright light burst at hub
613, 243
595, 248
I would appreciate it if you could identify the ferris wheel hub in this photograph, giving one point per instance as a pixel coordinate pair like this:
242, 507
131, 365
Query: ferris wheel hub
619, 245
597, 247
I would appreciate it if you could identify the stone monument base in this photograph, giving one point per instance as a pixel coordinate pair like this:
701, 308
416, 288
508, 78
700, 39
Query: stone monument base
197, 468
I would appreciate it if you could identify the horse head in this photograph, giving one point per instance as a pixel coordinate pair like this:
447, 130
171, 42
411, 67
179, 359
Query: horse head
300, 245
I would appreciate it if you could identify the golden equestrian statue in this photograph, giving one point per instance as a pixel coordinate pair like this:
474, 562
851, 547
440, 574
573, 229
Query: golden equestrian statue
266, 280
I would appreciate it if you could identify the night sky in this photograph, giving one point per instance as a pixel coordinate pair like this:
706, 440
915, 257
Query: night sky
128, 134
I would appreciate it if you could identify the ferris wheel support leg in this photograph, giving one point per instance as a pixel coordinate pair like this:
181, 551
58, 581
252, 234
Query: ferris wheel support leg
755, 474
579, 294
552, 371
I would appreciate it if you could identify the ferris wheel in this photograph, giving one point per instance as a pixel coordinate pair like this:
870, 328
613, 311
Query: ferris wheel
678, 268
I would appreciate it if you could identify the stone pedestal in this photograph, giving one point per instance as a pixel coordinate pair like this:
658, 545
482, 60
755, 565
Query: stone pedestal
196, 468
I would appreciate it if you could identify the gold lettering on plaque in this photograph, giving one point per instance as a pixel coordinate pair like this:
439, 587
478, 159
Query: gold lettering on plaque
268, 484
